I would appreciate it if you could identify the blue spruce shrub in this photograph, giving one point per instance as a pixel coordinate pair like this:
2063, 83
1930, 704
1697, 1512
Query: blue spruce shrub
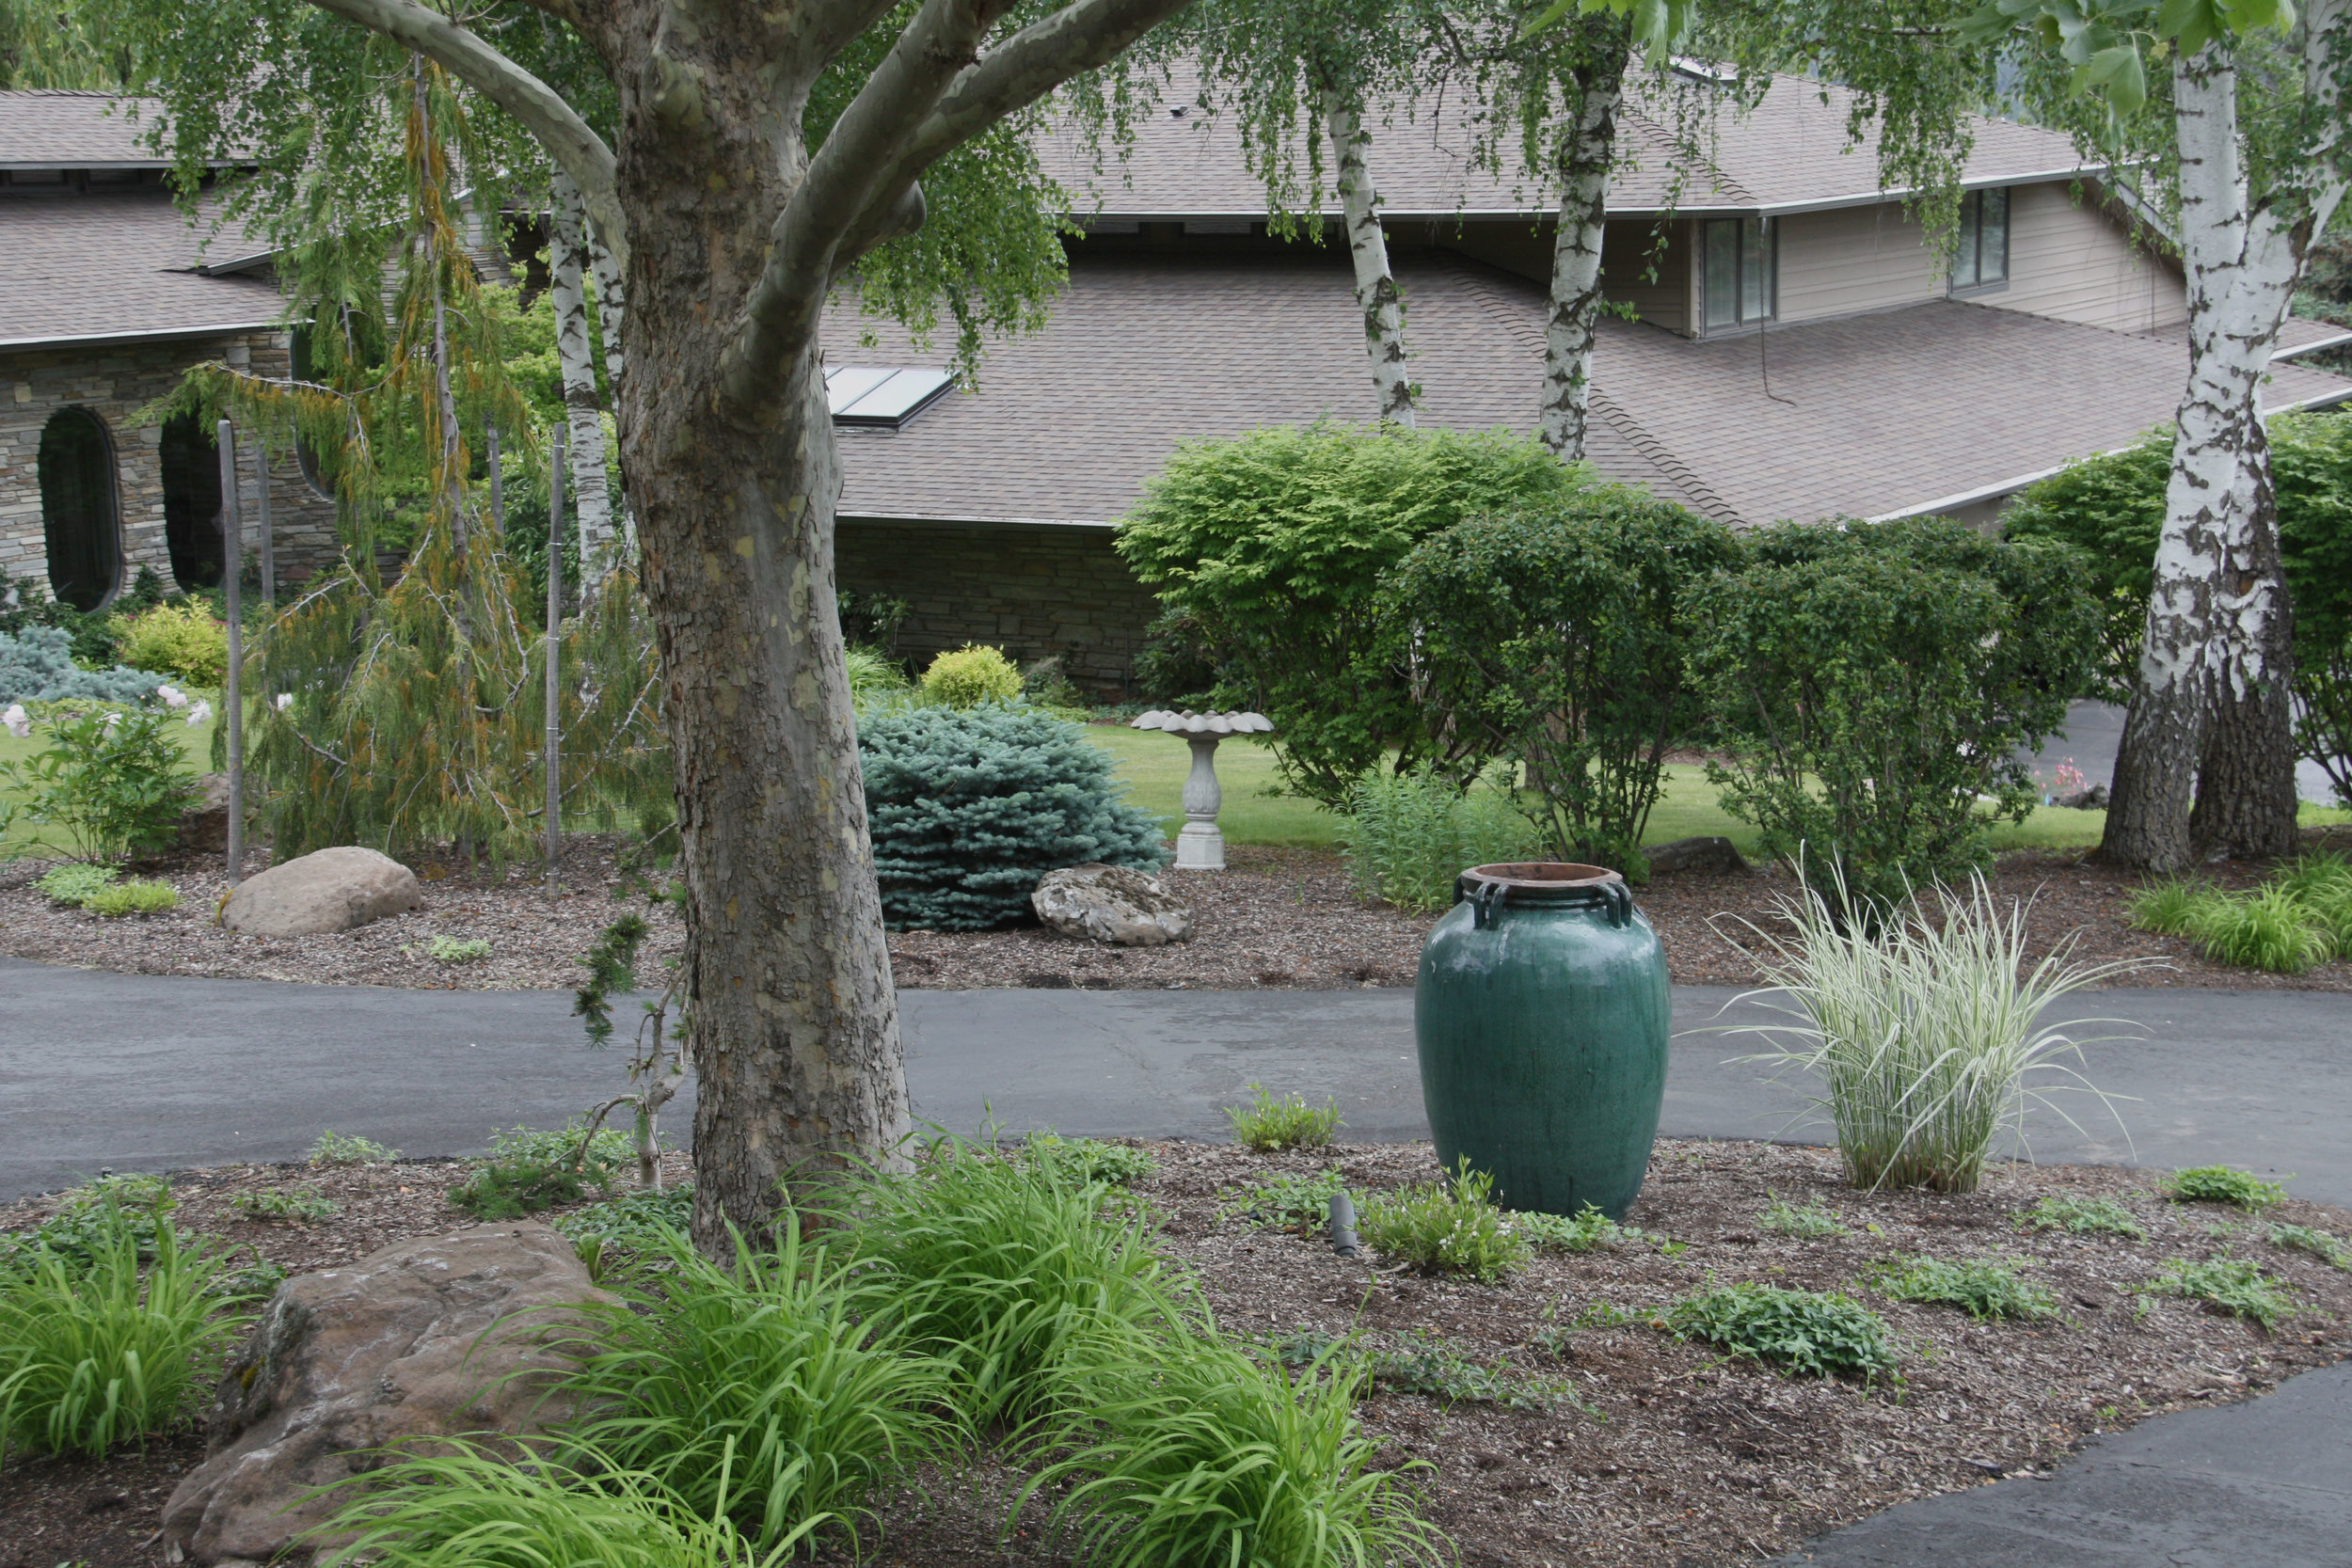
969, 807
37, 666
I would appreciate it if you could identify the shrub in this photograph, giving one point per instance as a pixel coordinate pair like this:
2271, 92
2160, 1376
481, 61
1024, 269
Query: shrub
969, 807
2328, 1249
767, 1390
970, 675
132, 897
2268, 928
337, 1148
1409, 835
1809, 1221
1554, 634
1450, 1227
117, 782
112, 1350
2240, 1189
73, 882
1284, 1202
1924, 1029
1799, 1330
1091, 1159
1874, 680
270, 1207
2228, 1285
183, 640
1271, 1126
1199, 1452
2082, 1217
1982, 1288
1269, 550
37, 665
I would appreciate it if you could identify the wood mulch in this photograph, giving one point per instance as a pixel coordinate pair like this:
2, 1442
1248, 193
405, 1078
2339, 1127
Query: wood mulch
1651, 1453
1277, 919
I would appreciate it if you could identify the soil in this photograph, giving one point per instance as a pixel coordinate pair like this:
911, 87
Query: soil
1652, 1451
1277, 919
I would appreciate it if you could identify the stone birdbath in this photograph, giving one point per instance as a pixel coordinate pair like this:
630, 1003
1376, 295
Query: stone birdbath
1199, 846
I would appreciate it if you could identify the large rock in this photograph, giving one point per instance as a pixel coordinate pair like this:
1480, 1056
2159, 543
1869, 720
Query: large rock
1115, 904
327, 889
427, 1338
204, 826
1695, 854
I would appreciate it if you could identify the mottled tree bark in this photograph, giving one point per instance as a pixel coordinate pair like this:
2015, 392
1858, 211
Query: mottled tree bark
1377, 294
1585, 156
575, 354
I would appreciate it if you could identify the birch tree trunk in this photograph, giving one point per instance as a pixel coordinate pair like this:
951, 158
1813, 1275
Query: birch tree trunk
1377, 294
1585, 157
575, 352
2207, 765
611, 304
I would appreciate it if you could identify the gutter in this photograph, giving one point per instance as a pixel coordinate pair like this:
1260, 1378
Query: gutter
153, 334
1038, 525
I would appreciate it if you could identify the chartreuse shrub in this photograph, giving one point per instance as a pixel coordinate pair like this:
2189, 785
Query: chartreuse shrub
968, 807
137, 897
1984, 1287
1877, 684
969, 676
183, 640
1806, 1332
1269, 550
2240, 1189
1449, 1227
1271, 1124
117, 782
1555, 635
1409, 835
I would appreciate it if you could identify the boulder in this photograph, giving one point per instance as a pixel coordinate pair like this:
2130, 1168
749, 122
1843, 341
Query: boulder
2093, 798
1114, 903
1694, 854
327, 889
427, 1338
204, 826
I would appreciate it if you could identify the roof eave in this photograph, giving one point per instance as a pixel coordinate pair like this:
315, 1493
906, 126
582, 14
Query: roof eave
155, 334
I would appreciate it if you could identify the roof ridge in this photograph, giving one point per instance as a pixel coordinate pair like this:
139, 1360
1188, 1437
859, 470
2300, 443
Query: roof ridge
1630, 430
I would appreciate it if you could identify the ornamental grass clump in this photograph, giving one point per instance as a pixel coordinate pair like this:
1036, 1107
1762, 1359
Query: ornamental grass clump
1923, 1024
1449, 1227
2269, 929
1271, 1126
1806, 1332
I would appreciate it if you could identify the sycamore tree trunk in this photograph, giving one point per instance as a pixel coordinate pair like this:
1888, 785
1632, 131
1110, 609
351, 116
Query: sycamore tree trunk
2207, 765
1377, 294
587, 485
1586, 154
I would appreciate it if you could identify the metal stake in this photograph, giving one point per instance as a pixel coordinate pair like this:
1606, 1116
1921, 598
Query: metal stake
555, 626
498, 483
232, 555
269, 553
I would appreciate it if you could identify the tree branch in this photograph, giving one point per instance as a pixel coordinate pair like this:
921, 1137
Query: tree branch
568, 139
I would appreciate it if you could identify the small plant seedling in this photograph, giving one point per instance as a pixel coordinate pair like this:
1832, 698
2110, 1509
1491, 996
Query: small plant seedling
1271, 1126
339, 1149
558, 1148
634, 1224
2328, 1249
1808, 1333
73, 882
456, 950
1285, 1202
1433, 1369
1091, 1159
117, 900
270, 1207
2230, 1285
1810, 1221
1984, 1288
1588, 1229
2081, 1216
2223, 1184
1451, 1227
509, 1190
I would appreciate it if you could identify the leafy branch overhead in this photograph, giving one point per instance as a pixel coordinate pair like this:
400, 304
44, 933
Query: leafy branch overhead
2110, 46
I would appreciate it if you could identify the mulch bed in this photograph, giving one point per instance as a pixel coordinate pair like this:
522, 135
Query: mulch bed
1279, 919
1653, 1453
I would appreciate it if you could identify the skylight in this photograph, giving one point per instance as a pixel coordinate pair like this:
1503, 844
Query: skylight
882, 398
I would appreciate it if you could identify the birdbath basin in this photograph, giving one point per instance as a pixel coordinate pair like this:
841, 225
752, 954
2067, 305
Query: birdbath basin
1199, 846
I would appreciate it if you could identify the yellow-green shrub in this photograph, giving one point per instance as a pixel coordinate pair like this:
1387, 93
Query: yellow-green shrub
971, 676
183, 638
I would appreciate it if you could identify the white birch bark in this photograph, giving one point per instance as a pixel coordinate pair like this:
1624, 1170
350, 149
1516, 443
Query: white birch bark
611, 301
2217, 606
1377, 294
1574, 311
575, 350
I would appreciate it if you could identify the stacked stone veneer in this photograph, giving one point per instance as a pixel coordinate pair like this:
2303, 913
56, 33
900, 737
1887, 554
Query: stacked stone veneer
115, 381
1031, 591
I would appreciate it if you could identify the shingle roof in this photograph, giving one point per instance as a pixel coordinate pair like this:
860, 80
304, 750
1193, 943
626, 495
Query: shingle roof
1864, 416
96, 266
1790, 153
52, 129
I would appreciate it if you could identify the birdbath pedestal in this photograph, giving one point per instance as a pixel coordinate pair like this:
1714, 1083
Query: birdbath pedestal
1199, 846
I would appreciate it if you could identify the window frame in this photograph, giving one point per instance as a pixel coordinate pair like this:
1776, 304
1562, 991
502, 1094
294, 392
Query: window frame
105, 500
1748, 228
1968, 241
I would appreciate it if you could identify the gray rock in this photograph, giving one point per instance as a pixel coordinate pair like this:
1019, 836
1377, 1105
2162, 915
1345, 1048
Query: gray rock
1114, 903
329, 890
204, 826
1694, 854
427, 1338
2093, 798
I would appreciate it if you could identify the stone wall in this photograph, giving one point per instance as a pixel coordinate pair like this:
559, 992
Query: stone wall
1031, 591
114, 381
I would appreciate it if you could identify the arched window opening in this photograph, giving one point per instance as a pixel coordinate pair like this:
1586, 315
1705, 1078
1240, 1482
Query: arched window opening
191, 463
78, 509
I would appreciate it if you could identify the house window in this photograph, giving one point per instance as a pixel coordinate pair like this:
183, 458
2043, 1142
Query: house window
191, 463
1981, 259
1741, 280
78, 510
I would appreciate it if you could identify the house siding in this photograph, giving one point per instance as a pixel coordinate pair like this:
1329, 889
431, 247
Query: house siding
1854, 258
1525, 250
114, 381
2075, 261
